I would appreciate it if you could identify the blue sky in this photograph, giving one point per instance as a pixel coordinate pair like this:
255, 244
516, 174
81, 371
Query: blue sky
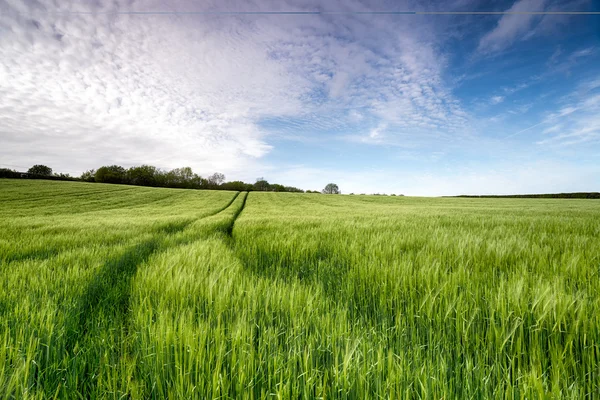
412, 104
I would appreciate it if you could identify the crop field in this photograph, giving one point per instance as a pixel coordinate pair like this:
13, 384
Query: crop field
110, 291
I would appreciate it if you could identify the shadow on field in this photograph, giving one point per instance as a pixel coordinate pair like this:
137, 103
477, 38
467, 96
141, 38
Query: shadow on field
102, 307
97, 327
39, 254
107, 295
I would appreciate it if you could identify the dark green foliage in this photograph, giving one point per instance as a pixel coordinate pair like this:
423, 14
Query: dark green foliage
236, 185
144, 175
111, 174
41, 170
261, 185
292, 189
181, 178
9, 173
88, 176
149, 175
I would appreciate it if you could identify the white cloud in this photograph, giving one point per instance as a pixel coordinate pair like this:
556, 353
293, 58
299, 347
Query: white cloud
497, 99
511, 27
377, 132
81, 90
577, 122
93, 89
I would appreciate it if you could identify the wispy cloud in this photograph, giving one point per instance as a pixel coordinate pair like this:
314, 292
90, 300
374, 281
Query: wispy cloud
511, 27
575, 123
142, 88
233, 93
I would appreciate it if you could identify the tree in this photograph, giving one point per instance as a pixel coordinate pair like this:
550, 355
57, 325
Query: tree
180, 178
261, 185
9, 173
293, 189
88, 176
236, 185
39, 169
331, 188
144, 175
216, 179
276, 187
110, 174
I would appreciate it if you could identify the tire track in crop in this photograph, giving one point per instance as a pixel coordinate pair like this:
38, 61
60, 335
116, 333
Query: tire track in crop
236, 215
104, 303
41, 254
52, 195
109, 290
235, 196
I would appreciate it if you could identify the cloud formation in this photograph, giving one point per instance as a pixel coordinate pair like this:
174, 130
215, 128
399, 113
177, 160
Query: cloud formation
88, 83
577, 121
511, 27
104, 86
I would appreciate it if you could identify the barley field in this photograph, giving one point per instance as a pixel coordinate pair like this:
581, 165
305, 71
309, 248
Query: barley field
116, 292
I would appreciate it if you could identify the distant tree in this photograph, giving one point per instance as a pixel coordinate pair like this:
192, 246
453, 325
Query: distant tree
111, 174
161, 178
144, 175
236, 185
88, 176
261, 185
293, 189
39, 169
331, 188
197, 182
180, 178
275, 187
216, 179
9, 173
185, 174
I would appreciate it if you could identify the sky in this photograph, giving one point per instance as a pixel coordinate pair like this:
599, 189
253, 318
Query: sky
426, 105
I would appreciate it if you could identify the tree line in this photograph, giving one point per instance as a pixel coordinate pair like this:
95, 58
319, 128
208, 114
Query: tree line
148, 175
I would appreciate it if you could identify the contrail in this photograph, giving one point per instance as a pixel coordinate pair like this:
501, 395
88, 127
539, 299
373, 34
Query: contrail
526, 129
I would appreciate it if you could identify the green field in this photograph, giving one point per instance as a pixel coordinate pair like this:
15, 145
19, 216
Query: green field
110, 291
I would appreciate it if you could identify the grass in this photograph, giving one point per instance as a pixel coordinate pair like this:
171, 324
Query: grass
111, 291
